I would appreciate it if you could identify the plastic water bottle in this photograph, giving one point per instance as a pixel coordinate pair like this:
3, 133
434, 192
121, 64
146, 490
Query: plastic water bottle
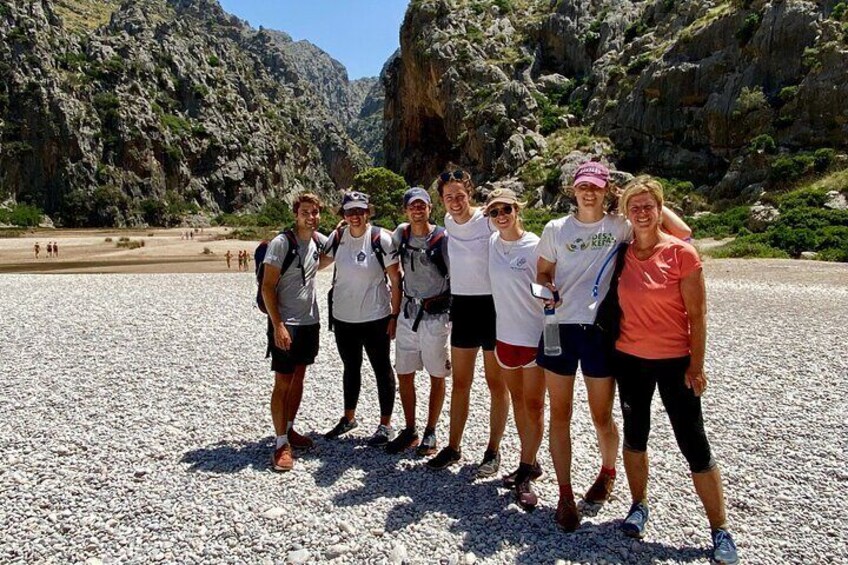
551, 335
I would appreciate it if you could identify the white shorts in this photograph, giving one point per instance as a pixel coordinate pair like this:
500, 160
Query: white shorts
425, 349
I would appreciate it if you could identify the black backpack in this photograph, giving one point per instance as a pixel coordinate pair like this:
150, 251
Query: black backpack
435, 248
293, 253
376, 247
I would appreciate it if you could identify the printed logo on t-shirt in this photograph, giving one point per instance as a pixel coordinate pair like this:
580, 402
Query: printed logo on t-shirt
360, 257
518, 264
598, 241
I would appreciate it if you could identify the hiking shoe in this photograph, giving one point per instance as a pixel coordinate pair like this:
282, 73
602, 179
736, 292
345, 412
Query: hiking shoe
600, 491
447, 456
405, 439
298, 441
382, 436
283, 459
343, 427
427, 446
490, 464
567, 517
524, 495
634, 525
724, 549
509, 480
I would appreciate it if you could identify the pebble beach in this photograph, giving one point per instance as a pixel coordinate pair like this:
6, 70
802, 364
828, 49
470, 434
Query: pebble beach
134, 428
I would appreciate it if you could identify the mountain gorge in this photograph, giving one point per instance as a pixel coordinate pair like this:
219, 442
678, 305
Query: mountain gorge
140, 112
711, 91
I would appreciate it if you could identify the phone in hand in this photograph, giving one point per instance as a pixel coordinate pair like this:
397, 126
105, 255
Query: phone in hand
540, 291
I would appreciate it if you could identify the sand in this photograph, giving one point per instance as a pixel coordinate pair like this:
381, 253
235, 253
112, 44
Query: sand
87, 251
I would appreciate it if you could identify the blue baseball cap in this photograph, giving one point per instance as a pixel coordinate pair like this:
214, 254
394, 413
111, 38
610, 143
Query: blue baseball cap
354, 199
415, 193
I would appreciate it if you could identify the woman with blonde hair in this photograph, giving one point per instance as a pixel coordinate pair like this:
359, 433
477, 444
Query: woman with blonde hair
661, 345
576, 258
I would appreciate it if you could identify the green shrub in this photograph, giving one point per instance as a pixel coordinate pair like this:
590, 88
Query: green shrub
535, 219
791, 168
213, 61
634, 30
720, 225
822, 159
505, 6
750, 100
639, 64
175, 124
127, 243
839, 11
811, 58
748, 28
748, 247
550, 114
787, 93
25, 216
764, 143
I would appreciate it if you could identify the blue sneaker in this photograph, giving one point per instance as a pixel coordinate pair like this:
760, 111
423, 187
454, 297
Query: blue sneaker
724, 550
634, 525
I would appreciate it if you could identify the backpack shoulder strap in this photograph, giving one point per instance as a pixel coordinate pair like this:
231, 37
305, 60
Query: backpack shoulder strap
435, 249
377, 245
337, 239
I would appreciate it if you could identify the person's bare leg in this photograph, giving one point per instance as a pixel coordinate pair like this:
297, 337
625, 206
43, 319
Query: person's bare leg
406, 384
514, 383
499, 396
601, 392
295, 393
437, 401
462, 361
279, 402
534, 410
561, 391
709, 489
636, 467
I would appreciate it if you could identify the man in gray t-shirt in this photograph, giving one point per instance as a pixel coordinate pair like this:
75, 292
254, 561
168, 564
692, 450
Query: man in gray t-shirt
423, 327
288, 289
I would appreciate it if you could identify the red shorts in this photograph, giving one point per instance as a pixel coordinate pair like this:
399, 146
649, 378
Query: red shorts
515, 356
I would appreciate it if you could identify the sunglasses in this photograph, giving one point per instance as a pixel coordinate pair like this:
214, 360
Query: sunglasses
447, 176
355, 212
495, 212
418, 205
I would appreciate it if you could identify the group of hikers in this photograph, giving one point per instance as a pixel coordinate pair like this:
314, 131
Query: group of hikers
620, 294
52, 249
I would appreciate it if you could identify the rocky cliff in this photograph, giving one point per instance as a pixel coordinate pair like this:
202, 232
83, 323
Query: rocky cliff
706, 90
125, 113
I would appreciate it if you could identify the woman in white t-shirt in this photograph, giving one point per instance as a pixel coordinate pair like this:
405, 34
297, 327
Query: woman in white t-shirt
577, 257
364, 310
473, 321
512, 269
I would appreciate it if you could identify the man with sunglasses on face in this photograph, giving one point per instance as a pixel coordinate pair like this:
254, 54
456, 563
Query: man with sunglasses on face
288, 290
423, 326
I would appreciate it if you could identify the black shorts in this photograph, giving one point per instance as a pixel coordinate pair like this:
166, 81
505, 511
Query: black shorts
303, 350
473, 322
581, 343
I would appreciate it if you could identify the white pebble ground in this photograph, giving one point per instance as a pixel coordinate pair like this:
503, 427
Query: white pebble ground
134, 427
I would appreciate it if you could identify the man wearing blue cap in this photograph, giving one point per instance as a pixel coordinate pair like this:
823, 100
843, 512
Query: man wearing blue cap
423, 327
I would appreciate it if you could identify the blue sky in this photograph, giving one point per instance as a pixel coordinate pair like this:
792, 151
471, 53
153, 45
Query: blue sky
361, 34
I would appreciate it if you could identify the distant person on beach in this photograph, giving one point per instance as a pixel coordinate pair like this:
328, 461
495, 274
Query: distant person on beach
246, 260
229, 257
240, 260
423, 328
364, 310
37, 249
576, 257
662, 344
512, 270
49, 249
289, 292
473, 321
55, 249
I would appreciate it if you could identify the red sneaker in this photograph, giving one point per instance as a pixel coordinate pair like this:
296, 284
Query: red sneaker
283, 459
298, 441
600, 491
567, 516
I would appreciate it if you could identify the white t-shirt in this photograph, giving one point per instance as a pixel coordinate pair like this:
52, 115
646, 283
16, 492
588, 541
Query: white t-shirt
469, 253
580, 252
360, 291
512, 267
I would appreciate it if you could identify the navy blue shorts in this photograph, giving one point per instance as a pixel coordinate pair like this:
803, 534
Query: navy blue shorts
303, 350
581, 343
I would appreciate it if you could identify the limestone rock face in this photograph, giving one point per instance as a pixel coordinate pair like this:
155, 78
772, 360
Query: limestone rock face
679, 88
111, 110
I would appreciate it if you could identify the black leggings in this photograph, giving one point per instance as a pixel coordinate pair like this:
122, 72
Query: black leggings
637, 378
372, 336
